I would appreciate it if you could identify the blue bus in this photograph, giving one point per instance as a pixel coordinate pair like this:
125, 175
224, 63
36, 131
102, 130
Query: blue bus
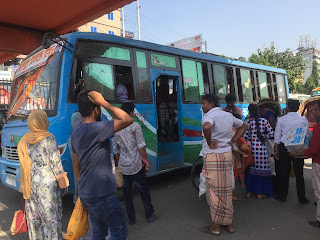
165, 84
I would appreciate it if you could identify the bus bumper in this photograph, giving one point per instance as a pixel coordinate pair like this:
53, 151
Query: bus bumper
10, 173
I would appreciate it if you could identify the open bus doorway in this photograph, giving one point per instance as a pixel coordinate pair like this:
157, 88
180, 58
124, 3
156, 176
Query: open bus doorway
168, 123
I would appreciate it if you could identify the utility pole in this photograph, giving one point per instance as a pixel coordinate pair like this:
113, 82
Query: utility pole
205, 46
138, 18
123, 29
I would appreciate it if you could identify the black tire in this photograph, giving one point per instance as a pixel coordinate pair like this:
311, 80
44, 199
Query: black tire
195, 172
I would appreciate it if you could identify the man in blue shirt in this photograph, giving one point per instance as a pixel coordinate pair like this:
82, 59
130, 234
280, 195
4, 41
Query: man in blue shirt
90, 142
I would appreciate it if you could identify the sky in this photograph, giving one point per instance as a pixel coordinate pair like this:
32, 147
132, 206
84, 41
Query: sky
233, 28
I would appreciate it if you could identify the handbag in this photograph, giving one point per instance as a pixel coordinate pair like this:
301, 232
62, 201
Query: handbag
62, 180
19, 222
119, 177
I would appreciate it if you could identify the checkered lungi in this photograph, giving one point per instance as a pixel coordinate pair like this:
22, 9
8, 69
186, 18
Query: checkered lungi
217, 170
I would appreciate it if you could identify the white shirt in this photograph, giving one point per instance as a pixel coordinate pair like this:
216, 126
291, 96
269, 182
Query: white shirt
291, 120
221, 130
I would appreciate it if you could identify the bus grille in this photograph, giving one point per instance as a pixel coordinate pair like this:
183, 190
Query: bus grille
11, 154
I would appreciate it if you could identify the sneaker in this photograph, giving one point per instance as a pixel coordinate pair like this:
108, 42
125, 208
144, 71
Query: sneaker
315, 224
304, 202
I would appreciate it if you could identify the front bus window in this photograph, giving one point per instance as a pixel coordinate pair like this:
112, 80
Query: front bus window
35, 86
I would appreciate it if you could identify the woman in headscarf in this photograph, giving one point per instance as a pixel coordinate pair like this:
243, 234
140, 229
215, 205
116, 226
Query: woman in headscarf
258, 177
40, 167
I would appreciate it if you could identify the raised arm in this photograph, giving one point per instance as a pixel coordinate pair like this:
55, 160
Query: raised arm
122, 119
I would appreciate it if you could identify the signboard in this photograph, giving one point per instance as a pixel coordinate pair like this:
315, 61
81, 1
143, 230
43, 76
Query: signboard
192, 43
5, 75
38, 60
128, 34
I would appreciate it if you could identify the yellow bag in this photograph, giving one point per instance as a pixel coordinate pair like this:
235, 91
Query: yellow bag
78, 223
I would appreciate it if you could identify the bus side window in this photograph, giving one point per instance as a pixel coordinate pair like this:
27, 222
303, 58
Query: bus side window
229, 73
195, 80
262, 85
143, 77
219, 79
76, 83
269, 83
246, 85
124, 84
281, 88
99, 77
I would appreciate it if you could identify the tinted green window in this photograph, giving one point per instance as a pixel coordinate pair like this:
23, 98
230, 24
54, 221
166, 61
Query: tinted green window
104, 50
143, 76
200, 78
190, 80
263, 85
163, 61
281, 88
141, 59
99, 77
219, 76
246, 85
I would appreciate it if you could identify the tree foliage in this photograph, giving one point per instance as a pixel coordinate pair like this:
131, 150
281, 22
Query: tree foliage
293, 64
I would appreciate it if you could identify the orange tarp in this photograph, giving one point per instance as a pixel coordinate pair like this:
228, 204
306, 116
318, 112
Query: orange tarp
23, 23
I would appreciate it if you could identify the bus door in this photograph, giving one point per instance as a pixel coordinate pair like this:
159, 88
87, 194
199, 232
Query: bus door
167, 103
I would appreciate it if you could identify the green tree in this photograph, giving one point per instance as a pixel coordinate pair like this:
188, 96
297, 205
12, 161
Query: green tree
293, 64
312, 81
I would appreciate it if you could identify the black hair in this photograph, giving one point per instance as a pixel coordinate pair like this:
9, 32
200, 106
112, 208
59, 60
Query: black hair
293, 105
212, 99
86, 107
254, 111
128, 107
276, 111
236, 115
230, 98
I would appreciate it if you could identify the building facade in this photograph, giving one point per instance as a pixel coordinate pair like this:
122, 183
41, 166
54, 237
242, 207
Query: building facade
309, 55
109, 23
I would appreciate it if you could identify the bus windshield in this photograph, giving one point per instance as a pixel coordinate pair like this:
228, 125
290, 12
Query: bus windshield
36, 83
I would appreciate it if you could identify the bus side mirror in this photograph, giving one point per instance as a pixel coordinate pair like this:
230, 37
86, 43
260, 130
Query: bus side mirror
46, 42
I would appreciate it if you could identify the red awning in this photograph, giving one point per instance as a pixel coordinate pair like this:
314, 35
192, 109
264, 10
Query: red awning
23, 23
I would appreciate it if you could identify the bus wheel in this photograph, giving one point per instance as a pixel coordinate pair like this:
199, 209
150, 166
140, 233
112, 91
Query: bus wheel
195, 172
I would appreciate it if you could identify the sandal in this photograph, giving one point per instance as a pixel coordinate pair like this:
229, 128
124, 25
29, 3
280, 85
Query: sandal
235, 198
206, 229
154, 217
261, 196
229, 228
248, 195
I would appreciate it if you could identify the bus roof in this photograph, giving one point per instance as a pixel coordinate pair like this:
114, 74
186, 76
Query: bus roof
166, 49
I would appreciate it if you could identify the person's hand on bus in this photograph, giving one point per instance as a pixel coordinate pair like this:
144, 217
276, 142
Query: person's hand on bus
213, 145
96, 98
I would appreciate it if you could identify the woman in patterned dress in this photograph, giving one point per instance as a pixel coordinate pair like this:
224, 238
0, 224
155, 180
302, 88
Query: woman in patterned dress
40, 163
258, 177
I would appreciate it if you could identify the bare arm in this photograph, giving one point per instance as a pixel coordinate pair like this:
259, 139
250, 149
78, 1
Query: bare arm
143, 152
122, 118
76, 166
239, 133
207, 133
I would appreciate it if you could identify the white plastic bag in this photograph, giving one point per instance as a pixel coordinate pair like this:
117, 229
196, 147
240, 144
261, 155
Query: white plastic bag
202, 185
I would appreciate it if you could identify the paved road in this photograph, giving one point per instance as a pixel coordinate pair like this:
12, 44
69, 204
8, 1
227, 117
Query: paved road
182, 213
